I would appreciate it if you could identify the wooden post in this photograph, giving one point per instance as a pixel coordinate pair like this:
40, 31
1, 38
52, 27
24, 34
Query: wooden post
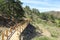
11, 30
2, 36
7, 33
14, 28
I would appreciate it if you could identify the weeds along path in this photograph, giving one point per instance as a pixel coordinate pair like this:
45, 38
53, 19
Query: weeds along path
44, 31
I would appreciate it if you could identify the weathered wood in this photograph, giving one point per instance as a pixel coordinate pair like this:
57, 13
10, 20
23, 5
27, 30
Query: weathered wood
7, 33
11, 30
2, 36
18, 29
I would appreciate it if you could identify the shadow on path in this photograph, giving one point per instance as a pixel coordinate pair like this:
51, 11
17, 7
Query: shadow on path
29, 32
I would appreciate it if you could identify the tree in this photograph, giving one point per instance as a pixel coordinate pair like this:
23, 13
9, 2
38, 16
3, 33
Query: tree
12, 9
27, 11
36, 11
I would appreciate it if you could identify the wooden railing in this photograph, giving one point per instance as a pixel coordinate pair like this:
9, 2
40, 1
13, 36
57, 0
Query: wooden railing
8, 34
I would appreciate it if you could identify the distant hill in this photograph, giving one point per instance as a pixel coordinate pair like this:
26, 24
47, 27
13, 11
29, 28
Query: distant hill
54, 13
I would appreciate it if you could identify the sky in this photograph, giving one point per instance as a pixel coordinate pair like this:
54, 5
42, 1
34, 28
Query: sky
43, 5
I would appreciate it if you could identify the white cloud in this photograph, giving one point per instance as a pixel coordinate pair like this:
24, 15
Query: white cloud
54, 7
42, 9
48, 9
34, 2
40, 2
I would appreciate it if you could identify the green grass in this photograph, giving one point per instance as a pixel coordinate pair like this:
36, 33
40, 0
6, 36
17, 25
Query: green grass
52, 28
43, 38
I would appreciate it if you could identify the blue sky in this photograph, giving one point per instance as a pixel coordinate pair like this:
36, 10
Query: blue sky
43, 5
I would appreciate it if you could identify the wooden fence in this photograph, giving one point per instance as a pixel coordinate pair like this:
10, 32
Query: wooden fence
8, 33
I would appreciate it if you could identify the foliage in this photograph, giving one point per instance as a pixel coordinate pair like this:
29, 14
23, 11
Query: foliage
35, 15
11, 9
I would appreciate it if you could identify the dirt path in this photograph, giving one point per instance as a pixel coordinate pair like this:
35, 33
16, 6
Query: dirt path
45, 32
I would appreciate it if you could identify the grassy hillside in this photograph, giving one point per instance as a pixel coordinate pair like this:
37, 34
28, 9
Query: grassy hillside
36, 16
47, 22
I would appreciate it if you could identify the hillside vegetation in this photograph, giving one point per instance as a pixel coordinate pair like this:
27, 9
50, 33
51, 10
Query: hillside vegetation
34, 14
48, 22
45, 24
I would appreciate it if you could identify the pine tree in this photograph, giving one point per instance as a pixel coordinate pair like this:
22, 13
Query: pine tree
12, 9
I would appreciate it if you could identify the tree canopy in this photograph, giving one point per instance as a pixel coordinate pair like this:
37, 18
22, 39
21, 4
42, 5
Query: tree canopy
11, 9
